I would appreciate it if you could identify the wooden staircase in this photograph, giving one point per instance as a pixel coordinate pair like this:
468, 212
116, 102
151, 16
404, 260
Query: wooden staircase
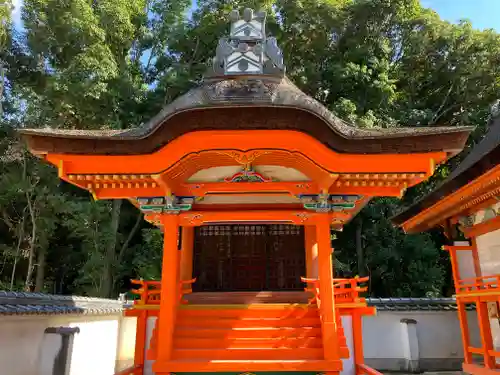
260, 337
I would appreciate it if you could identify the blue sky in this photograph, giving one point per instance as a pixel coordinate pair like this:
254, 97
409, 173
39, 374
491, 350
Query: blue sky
483, 14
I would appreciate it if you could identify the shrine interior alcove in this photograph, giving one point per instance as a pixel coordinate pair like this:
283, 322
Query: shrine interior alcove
249, 257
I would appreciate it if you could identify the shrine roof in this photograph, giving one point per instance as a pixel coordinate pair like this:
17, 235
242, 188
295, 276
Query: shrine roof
245, 89
230, 103
482, 158
23, 303
415, 304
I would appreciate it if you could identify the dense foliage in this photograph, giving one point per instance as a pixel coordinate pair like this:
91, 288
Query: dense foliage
115, 63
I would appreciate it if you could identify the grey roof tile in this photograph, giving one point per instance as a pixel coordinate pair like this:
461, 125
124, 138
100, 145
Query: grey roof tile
23, 303
415, 304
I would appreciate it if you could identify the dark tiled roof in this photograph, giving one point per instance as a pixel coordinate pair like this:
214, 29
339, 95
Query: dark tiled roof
21, 303
247, 104
415, 304
483, 157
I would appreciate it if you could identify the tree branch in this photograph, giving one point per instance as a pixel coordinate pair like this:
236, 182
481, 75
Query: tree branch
7, 220
131, 235
438, 113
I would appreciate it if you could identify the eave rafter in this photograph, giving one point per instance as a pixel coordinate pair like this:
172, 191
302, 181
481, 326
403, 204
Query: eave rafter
126, 186
472, 197
166, 172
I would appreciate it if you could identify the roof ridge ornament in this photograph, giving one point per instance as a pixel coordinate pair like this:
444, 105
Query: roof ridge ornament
247, 50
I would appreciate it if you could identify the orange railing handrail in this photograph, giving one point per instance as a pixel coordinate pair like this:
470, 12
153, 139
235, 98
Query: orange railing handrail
149, 292
478, 284
183, 291
364, 369
133, 370
314, 289
344, 290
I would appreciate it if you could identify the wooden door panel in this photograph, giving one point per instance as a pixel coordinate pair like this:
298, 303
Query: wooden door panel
249, 257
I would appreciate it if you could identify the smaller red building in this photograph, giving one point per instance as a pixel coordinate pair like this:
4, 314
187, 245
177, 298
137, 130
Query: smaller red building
467, 207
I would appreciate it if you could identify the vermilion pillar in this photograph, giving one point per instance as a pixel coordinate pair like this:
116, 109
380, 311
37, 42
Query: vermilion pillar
357, 340
169, 287
462, 312
187, 254
329, 325
311, 247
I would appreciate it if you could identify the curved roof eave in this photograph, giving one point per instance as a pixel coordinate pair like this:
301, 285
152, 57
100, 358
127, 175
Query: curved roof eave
254, 92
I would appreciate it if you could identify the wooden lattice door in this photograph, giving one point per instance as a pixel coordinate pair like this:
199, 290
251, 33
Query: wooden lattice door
248, 257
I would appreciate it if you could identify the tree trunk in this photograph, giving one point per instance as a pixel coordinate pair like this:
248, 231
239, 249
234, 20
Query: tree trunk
20, 234
126, 244
31, 256
40, 270
359, 247
110, 256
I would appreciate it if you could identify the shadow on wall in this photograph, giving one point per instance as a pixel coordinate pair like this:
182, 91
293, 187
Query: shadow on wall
63, 335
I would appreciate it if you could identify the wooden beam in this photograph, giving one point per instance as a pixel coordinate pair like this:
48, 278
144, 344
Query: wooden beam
248, 188
298, 217
291, 141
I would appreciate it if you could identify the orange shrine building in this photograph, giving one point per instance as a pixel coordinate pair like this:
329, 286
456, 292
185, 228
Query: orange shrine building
247, 177
467, 206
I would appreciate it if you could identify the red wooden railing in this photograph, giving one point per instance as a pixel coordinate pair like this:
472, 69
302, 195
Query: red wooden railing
344, 290
478, 284
134, 370
347, 290
364, 369
149, 291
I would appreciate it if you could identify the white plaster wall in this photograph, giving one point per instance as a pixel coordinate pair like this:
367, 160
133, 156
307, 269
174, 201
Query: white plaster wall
438, 336
465, 264
382, 328
95, 347
465, 261
488, 248
21, 341
50, 346
348, 363
148, 364
25, 349
126, 343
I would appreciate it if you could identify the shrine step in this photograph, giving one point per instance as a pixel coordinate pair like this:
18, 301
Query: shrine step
247, 298
250, 311
247, 322
274, 332
266, 336
241, 343
248, 332
333, 367
248, 354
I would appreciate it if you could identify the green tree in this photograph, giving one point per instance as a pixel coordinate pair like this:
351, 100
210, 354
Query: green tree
398, 265
116, 63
